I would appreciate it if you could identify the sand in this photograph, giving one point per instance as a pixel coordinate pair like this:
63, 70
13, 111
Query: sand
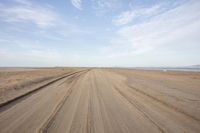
92, 100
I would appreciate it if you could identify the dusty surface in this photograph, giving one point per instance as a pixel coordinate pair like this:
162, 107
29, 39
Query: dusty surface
13, 77
17, 81
109, 101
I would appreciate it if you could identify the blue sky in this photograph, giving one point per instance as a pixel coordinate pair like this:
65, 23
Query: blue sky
127, 33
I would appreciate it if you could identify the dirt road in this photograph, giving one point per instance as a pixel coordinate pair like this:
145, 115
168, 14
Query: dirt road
107, 101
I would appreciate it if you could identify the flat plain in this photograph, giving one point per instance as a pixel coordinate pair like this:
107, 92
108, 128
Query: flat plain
98, 100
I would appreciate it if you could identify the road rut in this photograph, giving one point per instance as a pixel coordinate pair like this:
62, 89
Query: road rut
95, 101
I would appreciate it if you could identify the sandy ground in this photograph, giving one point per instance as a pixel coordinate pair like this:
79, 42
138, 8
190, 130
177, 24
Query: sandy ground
10, 77
108, 101
17, 81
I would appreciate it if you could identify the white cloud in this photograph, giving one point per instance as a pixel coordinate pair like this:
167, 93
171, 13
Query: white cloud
173, 28
25, 2
128, 16
124, 18
77, 4
104, 6
22, 14
25, 11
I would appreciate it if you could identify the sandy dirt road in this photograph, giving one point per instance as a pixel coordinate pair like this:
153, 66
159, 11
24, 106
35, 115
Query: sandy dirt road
107, 101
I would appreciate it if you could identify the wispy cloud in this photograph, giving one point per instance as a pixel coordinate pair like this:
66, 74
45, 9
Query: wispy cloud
25, 2
26, 14
128, 16
104, 6
33, 32
176, 27
24, 11
77, 4
124, 18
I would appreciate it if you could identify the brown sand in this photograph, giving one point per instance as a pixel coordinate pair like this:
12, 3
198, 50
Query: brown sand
108, 101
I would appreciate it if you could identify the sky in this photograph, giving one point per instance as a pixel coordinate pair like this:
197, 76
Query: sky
100, 33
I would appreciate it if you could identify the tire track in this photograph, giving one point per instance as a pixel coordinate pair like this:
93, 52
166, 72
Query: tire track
163, 117
81, 117
94, 101
73, 115
88, 126
117, 118
164, 103
143, 112
74, 79
95, 108
8, 104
